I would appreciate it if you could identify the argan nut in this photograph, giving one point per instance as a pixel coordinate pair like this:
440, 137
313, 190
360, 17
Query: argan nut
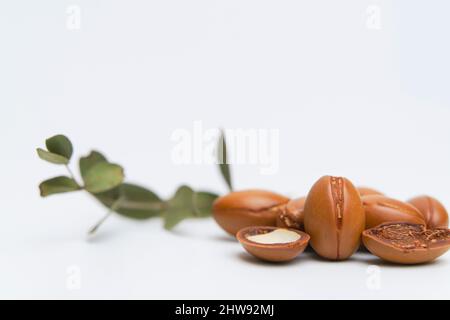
334, 218
364, 191
292, 216
432, 211
241, 209
406, 243
272, 243
381, 209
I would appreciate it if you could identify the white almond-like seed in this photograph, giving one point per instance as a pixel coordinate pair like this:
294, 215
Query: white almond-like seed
276, 236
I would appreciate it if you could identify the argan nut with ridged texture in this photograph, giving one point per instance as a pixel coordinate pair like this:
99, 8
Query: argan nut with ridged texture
406, 243
241, 209
381, 209
365, 191
292, 216
334, 218
272, 243
432, 210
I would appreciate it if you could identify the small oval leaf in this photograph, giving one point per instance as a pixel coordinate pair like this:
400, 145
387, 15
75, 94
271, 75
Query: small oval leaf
60, 145
203, 202
56, 185
89, 161
136, 202
180, 207
51, 157
103, 176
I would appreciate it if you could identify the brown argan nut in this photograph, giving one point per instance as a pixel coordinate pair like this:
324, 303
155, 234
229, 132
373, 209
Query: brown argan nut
381, 209
334, 218
406, 243
272, 243
432, 211
241, 209
292, 215
364, 191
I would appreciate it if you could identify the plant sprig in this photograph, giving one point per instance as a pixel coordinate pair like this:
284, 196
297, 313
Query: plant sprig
104, 180
222, 160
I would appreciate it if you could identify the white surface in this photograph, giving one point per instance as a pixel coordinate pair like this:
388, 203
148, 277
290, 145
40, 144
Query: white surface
371, 105
197, 261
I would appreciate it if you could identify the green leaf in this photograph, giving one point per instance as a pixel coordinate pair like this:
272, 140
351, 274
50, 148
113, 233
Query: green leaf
51, 157
60, 145
224, 166
89, 161
203, 202
134, 201
103, 176
180, 207
58, 185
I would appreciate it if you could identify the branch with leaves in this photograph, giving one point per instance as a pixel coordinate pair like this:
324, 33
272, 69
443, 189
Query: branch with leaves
104, 180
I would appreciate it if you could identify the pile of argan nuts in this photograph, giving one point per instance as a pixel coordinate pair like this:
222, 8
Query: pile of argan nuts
333, 219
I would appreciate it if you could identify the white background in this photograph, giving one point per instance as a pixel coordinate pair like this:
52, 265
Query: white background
347, 99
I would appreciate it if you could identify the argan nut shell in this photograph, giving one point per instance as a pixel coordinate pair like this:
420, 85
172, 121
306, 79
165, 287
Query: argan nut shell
432, 210
277, 252
241, 209
293, 215
334, 218
391, 253
365, 191
381, 209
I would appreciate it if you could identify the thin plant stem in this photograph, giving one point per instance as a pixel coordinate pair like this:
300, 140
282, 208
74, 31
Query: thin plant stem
114, 206
71, 173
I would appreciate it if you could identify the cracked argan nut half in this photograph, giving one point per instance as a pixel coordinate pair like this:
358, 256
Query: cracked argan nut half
272, 243
364, 191
381, 209
241, 209
292, 216
334, 218
432, 211
406, 243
